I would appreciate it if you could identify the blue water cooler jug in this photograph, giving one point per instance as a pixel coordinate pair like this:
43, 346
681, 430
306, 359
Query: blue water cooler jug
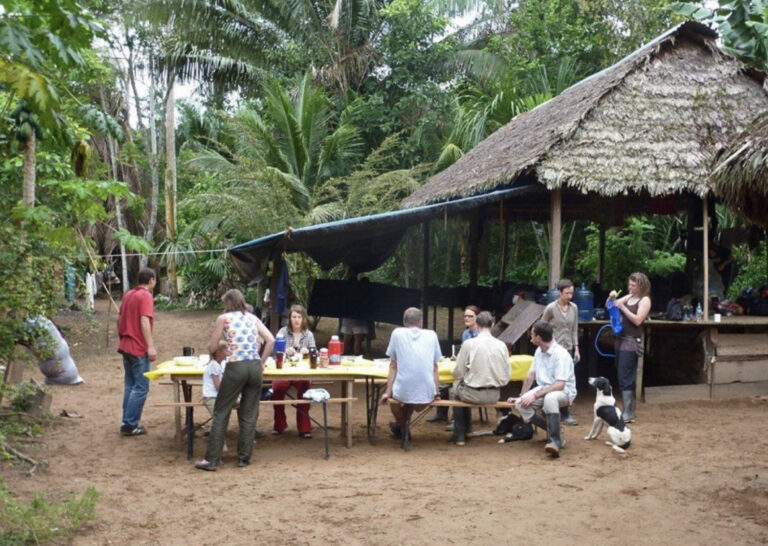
552, 295
585, 301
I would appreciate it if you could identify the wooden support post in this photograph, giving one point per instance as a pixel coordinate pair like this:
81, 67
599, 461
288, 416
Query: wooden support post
502, 243
601, 256
705, 261
277, 263
474, 237
425, 281
555, 235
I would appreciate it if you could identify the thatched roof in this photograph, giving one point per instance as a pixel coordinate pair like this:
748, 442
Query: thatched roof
649, 124
740, 175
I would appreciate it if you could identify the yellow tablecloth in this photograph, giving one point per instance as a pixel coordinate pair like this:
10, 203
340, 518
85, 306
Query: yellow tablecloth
518, 368
350, 366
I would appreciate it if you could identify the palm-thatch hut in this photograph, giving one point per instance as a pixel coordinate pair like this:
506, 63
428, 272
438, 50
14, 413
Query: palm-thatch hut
640, 136
650, 124
740, 175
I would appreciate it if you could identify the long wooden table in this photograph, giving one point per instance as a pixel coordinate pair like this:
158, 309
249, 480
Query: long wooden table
352, 369
184, 377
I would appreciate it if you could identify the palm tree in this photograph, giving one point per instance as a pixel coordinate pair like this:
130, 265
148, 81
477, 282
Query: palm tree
287, 151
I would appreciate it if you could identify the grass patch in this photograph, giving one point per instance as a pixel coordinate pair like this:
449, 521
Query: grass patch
44, 520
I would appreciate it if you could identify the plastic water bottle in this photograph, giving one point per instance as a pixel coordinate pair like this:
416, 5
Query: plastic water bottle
699, 312
334, 351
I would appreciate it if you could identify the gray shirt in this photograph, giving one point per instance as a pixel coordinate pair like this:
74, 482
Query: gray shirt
565, 326
416, 352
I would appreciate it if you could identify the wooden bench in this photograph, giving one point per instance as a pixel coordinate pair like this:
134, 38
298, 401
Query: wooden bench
190, 406
406, 432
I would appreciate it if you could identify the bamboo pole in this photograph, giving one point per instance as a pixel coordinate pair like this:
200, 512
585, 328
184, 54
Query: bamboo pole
705, 262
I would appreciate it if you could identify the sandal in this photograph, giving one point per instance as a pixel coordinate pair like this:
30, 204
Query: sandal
206, 465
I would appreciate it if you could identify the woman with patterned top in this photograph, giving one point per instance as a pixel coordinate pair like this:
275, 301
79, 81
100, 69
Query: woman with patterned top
242, 377
298, 340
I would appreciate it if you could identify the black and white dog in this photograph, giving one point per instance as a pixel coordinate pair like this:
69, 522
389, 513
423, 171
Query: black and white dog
606, 412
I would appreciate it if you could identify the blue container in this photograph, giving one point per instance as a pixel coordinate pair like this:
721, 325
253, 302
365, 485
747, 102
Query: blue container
615, 314
585, 301
279, 344
552, 295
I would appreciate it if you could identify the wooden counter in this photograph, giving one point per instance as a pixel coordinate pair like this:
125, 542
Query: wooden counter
690, 360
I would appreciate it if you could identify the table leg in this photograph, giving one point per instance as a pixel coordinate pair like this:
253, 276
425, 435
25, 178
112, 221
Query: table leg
372, 391
178, 438
325, 430
190, 418
346, 410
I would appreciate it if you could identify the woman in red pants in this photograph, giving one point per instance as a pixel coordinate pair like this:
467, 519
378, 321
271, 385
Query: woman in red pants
298, 340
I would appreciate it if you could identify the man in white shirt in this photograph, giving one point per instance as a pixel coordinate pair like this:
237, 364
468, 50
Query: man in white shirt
482, 368
414, 353
552, 370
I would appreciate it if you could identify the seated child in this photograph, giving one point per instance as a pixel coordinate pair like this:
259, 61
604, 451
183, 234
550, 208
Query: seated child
212, 377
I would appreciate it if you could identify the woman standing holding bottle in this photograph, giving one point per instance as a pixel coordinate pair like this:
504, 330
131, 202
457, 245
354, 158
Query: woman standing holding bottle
635, 308
298, 341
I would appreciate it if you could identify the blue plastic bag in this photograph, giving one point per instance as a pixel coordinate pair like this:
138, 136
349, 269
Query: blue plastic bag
615, 314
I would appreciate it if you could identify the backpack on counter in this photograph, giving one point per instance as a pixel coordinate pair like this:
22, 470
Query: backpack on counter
674, 310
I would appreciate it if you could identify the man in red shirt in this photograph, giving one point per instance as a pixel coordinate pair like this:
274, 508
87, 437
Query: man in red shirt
134, 326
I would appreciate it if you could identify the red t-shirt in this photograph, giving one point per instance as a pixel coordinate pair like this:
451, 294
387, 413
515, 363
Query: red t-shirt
136, 303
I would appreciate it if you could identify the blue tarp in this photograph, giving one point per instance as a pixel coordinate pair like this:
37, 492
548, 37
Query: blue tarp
362, 243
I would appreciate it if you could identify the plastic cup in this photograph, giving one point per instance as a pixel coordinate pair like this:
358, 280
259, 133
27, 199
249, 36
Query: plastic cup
718, 317
279, 361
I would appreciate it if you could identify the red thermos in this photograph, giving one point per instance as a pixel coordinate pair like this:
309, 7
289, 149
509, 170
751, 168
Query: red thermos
334, 351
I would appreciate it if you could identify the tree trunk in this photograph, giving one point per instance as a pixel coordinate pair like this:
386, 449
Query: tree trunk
149, 231
170, 181
132, 82
29, 169
118, 205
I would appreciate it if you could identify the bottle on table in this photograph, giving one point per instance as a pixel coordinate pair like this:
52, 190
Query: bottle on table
699, 312
313, 357
279, 351
334, 351
323, 358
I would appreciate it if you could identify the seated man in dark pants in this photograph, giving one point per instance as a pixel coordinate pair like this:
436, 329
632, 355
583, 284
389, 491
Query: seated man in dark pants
482, 368
414, 354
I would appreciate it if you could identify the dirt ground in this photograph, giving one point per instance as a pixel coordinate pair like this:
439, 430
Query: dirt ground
696, 473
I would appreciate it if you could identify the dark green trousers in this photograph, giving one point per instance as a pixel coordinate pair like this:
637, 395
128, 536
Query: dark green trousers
241, 378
